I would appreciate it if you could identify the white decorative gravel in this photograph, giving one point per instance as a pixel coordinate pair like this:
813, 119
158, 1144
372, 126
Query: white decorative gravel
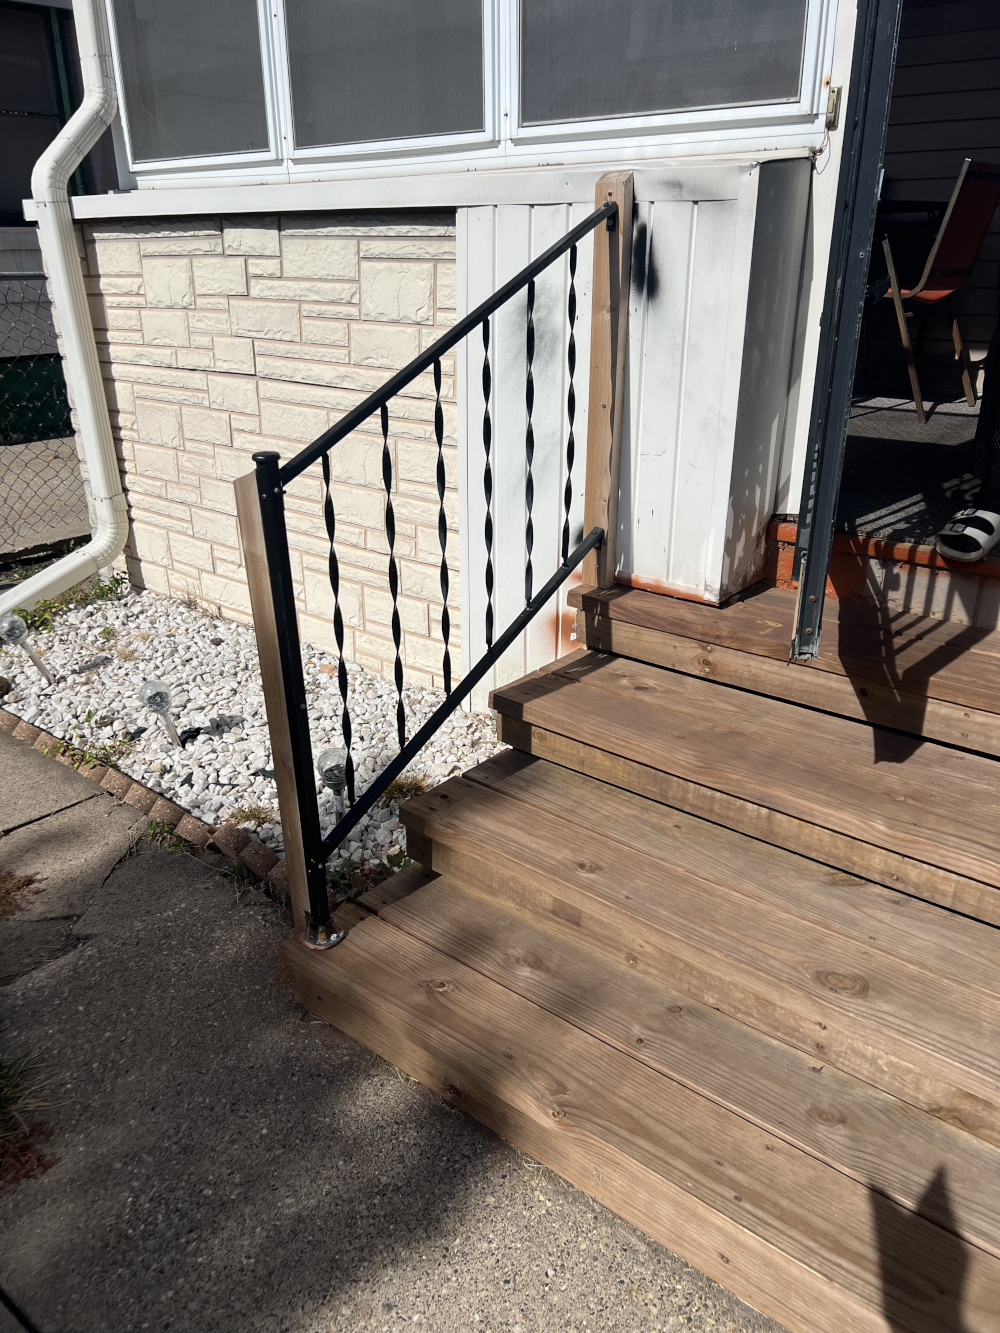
211, 666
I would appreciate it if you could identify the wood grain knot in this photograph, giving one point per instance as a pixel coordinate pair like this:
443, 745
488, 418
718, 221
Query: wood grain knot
843, 983
439, 985
517, 959
587, 867
674, 1009
452, 1091
558, 1113
631, 959
826, 1115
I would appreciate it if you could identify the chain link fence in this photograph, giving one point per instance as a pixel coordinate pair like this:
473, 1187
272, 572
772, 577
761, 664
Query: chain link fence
42, 496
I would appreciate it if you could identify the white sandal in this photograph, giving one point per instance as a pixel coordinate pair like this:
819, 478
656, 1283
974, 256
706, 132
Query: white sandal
970, 535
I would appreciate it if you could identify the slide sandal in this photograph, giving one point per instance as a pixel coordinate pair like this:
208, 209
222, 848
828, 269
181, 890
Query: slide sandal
970, 535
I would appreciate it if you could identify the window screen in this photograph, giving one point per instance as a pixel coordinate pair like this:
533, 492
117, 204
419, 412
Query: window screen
586, 59
193, 76
364, 70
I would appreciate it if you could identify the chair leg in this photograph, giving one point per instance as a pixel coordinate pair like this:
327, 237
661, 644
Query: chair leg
904, 335
962, 355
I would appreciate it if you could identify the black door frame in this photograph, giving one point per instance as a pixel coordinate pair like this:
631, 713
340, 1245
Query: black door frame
867, 117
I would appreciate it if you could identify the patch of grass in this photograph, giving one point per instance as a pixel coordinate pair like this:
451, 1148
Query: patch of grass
42, 615
21, 1093
349, 881
84, 752
406, 787
125, 654
159, 832
253, 814
12, 886
144, 636
108, 634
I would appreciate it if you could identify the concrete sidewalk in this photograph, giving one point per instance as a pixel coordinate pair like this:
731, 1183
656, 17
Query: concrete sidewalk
226, 1164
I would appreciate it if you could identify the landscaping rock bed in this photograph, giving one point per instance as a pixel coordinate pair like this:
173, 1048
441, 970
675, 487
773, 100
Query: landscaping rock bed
99, 655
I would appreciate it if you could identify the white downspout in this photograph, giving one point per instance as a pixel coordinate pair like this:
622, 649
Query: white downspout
57, 238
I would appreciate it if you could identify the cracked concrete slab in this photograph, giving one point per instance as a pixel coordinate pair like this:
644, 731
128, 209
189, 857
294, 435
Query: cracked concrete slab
72, 851
34, 785
227, 1164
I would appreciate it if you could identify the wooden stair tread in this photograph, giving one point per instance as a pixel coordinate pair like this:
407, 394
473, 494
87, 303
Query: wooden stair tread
876, 1139
919, 654
933, 804
790, 1234
965, 952
925, 1039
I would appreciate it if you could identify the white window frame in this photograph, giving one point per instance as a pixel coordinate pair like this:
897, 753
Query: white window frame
216, 161
402, 147
741, 115
502, 141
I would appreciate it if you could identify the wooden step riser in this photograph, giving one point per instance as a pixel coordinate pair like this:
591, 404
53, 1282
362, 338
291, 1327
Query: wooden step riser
876, 1139
864, 859
716, 1190
861, 697
941, 944
871, 784
853, 1043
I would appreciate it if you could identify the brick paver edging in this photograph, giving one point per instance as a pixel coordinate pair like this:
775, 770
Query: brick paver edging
236, 843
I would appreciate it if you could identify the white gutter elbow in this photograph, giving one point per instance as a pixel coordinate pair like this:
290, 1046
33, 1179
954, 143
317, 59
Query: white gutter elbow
57, 238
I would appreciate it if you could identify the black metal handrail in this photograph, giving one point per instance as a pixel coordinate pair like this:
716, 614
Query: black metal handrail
271, 480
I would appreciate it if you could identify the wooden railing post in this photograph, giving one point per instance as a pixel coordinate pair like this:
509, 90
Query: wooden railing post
608, 342
266, 630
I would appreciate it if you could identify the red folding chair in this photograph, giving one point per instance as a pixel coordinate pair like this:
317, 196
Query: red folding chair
951, 260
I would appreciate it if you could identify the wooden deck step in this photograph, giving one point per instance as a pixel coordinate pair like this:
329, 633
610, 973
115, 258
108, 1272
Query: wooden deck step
929, 677
688, 922
798, 1238
870, 1136
865, 799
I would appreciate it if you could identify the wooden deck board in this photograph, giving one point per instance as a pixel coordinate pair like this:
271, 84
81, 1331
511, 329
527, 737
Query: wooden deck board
967, 953
879, 699
875, 1138
933, 804
865, 1012
871, 862
799, 1240
919, 655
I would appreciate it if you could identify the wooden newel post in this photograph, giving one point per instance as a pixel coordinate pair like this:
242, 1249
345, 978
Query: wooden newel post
608, 343
268, 650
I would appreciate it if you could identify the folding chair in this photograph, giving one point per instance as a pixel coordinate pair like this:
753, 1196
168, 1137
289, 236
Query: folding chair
951, 260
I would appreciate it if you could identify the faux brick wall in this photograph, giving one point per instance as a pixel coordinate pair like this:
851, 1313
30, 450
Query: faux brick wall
220, 337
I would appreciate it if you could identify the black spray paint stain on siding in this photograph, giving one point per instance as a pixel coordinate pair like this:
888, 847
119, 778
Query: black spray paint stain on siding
645, 278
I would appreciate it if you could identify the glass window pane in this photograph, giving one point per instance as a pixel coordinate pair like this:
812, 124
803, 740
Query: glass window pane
586, 59
364, 70
193, 75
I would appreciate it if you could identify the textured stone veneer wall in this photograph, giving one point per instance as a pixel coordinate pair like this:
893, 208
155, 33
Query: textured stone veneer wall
224, 336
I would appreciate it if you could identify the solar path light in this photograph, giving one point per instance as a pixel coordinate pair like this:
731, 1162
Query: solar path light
14, 631
332, 768
156, 696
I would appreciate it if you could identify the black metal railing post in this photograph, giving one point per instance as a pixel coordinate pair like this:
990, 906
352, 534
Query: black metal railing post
320, 930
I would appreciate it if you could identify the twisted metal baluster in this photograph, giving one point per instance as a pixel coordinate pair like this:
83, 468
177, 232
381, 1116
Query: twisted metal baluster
390, 532
529, 445
488, 480
442, 526
330, 517
570, 404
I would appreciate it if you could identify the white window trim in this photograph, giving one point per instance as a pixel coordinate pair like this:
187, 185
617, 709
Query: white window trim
218, 161
781, 126
403, 147
709, 119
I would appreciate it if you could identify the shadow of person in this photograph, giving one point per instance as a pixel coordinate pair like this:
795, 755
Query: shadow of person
922, 1262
